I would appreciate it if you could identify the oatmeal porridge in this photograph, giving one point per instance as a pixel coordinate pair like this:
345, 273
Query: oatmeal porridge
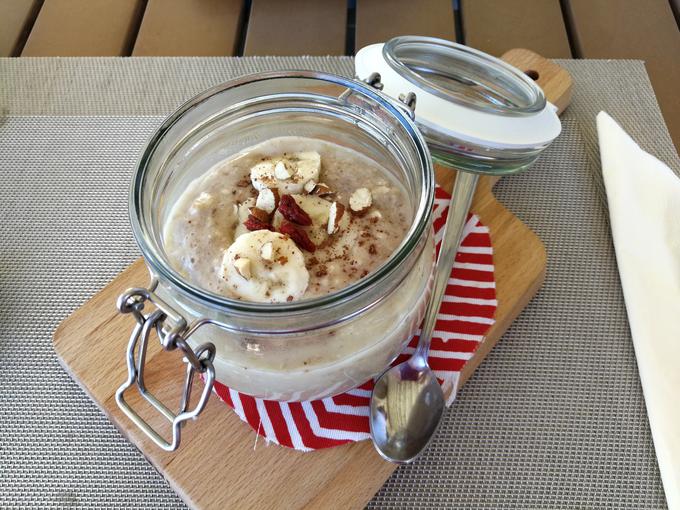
289, 219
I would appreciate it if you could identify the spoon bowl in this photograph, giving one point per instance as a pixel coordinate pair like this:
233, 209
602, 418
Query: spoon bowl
406, 410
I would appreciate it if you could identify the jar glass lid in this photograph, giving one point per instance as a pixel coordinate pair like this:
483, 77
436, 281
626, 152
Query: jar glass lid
476, 111
466, 76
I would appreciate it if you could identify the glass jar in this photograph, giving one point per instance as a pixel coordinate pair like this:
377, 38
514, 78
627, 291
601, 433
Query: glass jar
476, 114
301, 350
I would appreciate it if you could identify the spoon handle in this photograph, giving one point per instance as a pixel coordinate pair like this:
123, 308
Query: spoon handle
463, 191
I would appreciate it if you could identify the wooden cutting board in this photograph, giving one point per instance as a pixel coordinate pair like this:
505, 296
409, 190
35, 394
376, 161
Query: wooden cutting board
219, 464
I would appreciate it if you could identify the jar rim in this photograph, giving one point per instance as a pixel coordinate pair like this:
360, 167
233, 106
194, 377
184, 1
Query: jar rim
158, 263
520, 97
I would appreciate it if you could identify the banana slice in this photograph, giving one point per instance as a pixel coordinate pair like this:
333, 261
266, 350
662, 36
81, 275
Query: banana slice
288, 174
262, 175
265, 267
290, 186
308, 166
242, 213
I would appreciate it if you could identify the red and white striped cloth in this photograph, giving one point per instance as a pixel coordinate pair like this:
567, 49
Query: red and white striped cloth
466, 314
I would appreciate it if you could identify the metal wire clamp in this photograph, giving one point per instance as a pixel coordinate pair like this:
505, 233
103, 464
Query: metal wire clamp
173, 333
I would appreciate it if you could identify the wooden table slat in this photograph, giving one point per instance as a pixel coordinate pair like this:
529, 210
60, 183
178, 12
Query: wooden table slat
381, 20
190, 28
84, 28
496, 26
638, 30
296, 27
16, 18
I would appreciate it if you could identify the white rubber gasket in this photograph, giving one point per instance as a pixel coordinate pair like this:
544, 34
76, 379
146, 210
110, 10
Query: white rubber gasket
457, 121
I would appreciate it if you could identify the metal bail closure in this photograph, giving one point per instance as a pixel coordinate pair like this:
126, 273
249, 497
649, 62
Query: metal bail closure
173, 332
407, 102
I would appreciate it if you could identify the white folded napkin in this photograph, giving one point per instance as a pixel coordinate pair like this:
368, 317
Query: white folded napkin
644, 208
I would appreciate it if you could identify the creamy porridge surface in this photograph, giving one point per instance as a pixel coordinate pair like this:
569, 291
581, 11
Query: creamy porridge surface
288, 219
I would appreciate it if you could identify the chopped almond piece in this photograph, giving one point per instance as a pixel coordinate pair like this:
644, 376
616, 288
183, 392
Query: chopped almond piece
267, 251
322, 190
281, 171
260, 214
334, 216
242, 266
309, 186
360, 201
267, 200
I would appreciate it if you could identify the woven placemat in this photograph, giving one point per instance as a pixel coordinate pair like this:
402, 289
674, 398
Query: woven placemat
554, 418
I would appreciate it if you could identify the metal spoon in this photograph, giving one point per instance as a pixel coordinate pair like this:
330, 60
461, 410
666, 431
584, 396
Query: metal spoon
407, 401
